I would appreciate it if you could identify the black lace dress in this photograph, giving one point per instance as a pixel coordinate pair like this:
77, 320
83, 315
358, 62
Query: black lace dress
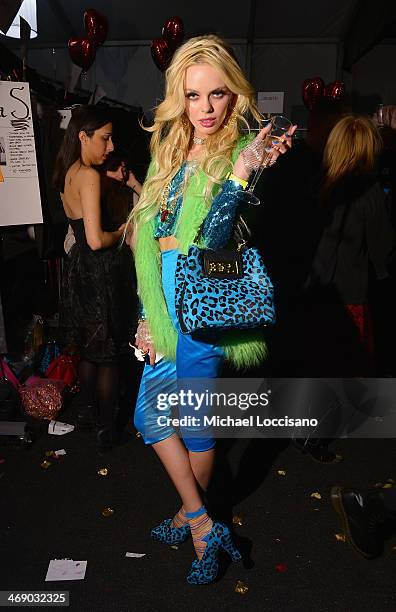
99, 300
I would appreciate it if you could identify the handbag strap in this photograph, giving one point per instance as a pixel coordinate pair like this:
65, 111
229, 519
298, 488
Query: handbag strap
240, 244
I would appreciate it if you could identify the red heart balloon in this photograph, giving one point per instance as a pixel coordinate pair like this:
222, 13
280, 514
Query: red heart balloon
96, 26
335, 90
82, 52
161, 52
173, 31
312, 90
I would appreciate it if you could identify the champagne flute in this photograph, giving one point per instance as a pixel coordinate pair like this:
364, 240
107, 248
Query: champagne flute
279, 127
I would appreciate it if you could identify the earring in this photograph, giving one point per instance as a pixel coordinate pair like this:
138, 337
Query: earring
231, 119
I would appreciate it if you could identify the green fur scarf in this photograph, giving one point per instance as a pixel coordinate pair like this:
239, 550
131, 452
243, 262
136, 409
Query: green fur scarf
242, 348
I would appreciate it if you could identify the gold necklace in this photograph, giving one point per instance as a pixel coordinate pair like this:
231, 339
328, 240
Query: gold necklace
168, 208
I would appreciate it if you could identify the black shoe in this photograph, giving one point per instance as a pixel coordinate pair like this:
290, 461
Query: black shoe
105, 439
85, 417
318, 450
362, 514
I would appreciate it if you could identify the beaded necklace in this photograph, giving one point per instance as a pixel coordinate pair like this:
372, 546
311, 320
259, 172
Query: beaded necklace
168, 205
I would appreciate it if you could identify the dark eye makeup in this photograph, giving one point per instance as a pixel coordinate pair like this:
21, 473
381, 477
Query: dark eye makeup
215, 92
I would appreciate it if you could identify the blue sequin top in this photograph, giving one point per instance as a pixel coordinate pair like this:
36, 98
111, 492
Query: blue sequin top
167, 227
218, 225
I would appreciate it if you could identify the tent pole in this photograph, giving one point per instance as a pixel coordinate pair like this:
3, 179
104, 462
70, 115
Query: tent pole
250, 37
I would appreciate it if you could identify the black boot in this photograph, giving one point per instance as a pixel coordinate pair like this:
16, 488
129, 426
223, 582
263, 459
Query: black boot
317, 449
361, 514
105, 438
85, 417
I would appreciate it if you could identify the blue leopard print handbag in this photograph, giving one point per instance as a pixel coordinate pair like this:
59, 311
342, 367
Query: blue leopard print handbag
222, 289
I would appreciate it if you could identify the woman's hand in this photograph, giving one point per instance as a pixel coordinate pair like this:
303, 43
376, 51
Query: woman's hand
133, 183
144, 341
256, 153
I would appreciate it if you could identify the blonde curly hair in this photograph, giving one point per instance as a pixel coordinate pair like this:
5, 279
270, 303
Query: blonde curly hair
172, 131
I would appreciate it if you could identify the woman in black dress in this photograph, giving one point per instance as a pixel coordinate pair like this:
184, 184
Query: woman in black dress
97, 304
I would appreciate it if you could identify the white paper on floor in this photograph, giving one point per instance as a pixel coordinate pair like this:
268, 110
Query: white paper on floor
135, 555
60, 452
66, 569
59, 429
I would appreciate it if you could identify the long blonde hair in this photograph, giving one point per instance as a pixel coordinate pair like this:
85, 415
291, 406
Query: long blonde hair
172, 131
351, 149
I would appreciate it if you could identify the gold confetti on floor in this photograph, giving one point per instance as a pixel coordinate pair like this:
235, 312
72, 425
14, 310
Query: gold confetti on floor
175, 547
316, 495
49, 453
282, 472
237, 520
241, 587
340, 537
388, 485
45, 464
103, 472
138, 434
107, 512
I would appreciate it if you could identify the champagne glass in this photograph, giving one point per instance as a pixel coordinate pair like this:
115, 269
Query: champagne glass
279, 127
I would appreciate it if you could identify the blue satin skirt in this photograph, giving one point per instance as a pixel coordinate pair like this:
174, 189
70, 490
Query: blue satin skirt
195, 358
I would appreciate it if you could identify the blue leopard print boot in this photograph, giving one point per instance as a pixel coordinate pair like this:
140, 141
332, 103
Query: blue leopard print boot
205, 570
170, 535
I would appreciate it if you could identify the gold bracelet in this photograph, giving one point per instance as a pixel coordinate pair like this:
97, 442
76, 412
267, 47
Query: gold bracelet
236, 179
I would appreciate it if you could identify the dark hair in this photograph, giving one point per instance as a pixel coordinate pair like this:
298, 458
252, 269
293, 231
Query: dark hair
114, 160
86, 119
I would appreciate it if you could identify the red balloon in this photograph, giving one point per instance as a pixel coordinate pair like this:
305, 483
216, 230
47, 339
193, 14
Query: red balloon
173, 31
96, 26
335, 90
312, 90
162, 53
82, 52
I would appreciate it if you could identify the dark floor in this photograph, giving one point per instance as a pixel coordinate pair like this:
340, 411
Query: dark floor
56, 513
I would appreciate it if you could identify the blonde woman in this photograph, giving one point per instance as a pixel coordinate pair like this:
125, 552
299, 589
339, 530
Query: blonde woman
357, 234
199, 162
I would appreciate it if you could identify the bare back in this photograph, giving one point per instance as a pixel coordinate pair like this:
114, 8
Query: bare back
75, 178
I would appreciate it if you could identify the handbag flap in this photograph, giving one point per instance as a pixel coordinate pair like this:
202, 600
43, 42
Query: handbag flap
222, 263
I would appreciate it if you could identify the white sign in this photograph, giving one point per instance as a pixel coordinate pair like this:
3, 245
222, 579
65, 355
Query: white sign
65, 115
20, 202
270, 101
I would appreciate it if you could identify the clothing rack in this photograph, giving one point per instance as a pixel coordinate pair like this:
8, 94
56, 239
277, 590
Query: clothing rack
59, 87
10, 64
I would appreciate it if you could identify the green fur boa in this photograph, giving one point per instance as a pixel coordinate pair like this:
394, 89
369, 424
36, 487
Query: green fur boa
242, 348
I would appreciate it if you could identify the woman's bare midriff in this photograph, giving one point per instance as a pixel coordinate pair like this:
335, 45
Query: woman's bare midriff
168, 243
